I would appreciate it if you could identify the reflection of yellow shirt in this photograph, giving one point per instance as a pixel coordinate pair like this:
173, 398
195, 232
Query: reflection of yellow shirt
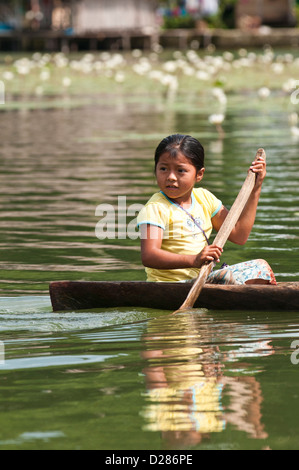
194, 406
181, 234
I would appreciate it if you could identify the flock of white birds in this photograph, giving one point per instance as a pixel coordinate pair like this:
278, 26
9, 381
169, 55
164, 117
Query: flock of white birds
204, 67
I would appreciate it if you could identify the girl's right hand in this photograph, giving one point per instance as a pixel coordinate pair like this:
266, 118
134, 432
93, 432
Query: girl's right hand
209, 253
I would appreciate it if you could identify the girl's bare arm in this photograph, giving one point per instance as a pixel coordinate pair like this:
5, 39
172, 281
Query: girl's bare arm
243, 227
153, 256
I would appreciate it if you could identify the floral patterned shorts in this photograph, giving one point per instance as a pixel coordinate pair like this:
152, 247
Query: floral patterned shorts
242, 272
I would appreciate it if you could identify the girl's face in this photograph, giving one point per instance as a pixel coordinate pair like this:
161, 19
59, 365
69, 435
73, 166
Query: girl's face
176, 177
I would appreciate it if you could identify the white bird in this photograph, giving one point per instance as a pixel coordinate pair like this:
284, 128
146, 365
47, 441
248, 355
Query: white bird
66, 82
217, 120
264, 92
295, 131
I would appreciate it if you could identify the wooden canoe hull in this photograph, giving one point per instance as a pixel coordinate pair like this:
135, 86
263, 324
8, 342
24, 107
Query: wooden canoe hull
77, 295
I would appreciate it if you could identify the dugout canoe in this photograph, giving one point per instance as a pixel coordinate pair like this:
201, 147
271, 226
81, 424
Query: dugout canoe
77, 295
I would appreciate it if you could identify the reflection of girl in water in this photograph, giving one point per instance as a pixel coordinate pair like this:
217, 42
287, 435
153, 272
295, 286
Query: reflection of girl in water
183, 387
185, 384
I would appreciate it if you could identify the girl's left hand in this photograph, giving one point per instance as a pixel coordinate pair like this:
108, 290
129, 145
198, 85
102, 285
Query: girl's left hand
259, 167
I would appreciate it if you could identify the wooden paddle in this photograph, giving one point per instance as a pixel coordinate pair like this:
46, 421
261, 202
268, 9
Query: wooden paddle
223, 234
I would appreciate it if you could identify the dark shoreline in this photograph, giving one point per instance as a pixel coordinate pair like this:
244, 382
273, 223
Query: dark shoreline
16, 41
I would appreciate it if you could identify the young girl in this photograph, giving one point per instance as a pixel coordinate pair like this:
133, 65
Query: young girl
177, 222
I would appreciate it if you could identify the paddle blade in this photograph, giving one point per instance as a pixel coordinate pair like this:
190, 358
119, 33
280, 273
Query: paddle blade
197, 286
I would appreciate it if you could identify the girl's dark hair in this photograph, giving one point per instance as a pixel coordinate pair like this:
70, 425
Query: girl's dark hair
190, 147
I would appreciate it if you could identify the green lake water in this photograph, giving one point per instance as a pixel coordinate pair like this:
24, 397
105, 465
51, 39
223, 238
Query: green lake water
137, 379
